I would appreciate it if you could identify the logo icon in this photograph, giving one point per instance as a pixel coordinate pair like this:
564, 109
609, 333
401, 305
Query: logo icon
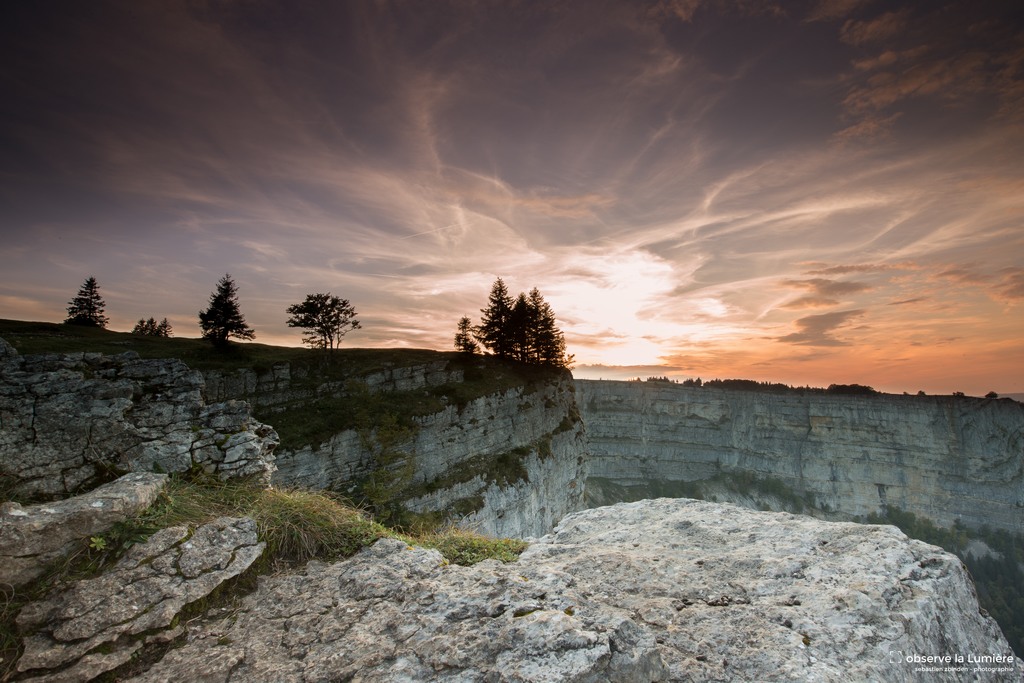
895, 657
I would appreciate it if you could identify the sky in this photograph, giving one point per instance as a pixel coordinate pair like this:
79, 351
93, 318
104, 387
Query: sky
818, 192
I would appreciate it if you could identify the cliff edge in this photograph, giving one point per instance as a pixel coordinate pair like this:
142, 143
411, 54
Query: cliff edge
660, 590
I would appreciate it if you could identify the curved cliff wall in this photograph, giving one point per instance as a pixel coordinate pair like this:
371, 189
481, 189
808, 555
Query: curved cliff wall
946, 458
510, 463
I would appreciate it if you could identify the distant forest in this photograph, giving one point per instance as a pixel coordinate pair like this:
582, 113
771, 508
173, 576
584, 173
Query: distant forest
779, 388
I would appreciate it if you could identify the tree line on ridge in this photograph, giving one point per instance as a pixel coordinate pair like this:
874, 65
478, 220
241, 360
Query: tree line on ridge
522, 329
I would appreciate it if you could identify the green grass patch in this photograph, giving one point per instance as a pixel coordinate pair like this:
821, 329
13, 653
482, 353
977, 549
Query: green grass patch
467, 548
41, 337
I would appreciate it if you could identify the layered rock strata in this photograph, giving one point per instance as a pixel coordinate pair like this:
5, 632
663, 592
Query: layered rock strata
281, 385
662, 590
69, 420
514, 461
950, 459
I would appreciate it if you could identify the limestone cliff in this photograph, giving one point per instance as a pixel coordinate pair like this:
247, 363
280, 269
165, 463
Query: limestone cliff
509, 460
281, 385
508, 463
70, 420
945, 458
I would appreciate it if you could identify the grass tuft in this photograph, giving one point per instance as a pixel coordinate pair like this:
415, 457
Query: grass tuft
466, 548
297, 526
302, 525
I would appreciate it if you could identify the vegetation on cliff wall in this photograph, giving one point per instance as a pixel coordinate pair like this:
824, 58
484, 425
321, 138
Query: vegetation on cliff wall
311, 423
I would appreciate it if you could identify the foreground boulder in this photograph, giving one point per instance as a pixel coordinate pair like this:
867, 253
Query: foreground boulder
34, 536
399, 613
733, 594
661, 590
98, 624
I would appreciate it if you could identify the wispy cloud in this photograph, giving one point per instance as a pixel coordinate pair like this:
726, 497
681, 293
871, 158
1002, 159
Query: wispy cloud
946, 55
671, 189
824, 269
1011, 284
826, 10
882, 28
908, 302
825, 287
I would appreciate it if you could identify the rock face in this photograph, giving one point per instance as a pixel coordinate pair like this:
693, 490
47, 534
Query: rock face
661, 590
98, 624
948, 459
67, 420
283, 385
536, 433
34, 536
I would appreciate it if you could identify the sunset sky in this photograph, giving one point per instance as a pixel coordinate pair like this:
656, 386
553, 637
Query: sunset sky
802, 192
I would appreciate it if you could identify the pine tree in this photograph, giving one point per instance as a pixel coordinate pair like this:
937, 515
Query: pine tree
464, 336
522, 329
519, 330
493, 332
223, 319
87, 307
547, 343
145, 328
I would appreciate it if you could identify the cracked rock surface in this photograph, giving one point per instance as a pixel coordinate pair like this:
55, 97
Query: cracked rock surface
396, 613
96, 624
68, 419
660, 590
33, 536
731, 594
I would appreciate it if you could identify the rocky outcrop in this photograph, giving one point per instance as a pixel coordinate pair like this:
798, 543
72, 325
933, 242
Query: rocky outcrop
662, 590
98, 624
512, 462
399, 613
948, 459
34, 536
282, 385
69, 420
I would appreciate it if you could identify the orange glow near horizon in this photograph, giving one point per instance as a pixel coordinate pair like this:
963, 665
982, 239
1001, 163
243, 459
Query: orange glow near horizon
828, 192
